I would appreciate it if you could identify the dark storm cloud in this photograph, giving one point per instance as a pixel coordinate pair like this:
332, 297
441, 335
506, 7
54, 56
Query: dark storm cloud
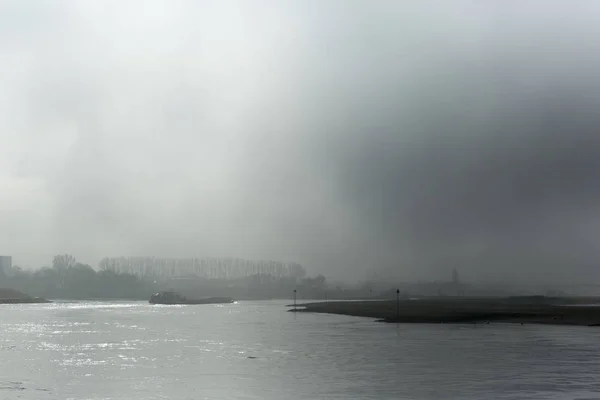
492, 167
478, 153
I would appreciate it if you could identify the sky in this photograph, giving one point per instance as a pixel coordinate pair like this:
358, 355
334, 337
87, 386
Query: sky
402, 138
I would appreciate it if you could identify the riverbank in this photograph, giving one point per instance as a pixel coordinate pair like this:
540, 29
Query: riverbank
11, 296
538, 310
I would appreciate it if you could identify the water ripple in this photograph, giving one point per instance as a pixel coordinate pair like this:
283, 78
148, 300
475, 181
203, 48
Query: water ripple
257, 350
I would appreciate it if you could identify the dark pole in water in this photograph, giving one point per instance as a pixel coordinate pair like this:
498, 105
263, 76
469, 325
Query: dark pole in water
398, 303
294, 299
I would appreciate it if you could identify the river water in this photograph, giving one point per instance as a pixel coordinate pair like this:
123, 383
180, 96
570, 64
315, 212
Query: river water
257, 350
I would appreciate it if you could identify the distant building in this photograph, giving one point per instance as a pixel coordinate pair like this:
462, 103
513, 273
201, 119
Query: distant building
456, 286
5, 265
455, 277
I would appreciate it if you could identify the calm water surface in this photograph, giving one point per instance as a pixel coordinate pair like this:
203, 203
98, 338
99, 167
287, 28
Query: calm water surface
95, 350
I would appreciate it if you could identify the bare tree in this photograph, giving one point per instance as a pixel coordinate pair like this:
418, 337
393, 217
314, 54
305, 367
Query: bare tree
61, 263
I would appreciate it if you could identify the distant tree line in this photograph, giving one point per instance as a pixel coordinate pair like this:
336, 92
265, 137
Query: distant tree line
138, 278
68, 279
210, 268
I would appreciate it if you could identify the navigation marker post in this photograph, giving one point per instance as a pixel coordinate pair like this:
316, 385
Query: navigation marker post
398, 304
294, 299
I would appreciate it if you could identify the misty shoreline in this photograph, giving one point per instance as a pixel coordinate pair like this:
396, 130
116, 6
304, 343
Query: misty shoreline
10, 296
582, 311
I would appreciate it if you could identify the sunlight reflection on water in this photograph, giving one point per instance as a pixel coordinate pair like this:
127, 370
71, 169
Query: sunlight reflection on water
97, 350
